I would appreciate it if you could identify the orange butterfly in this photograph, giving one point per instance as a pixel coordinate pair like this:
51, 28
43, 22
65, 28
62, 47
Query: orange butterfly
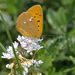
30, 23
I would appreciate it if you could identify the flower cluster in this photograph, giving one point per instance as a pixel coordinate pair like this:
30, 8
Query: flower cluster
29, 63
10, 53
28, 45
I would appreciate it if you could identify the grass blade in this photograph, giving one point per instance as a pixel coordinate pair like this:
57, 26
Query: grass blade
11, 42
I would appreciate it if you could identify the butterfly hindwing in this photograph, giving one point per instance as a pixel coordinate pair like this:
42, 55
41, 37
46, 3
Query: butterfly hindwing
26, 24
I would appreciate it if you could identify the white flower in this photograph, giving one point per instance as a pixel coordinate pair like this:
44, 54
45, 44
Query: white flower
15, 45
10, 65
24, 73
40, 61
20, 56
36, 40
29, 64
31, 53
29, 44
7, 66
23, 44
9, 54
26, 69
24, 64
19, 38
10, 49
34, 61
37, 63
39, 74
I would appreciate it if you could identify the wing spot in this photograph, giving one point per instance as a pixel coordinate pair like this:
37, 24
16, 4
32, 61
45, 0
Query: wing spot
38, 20
39, 15
38, 26
34, 16
36, 13
24, 22
38, 30
30, 20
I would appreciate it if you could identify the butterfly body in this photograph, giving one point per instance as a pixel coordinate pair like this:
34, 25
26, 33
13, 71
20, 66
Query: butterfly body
30, 23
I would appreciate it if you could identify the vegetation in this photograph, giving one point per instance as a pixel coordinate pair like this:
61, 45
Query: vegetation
58, 54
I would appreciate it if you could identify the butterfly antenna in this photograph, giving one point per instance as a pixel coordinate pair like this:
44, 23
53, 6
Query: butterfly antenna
53, 35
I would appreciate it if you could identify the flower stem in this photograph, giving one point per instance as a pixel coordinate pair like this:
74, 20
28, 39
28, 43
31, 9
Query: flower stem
34, 54
14, 70
11, 42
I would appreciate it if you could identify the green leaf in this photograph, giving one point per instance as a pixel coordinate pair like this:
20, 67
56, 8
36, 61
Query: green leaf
3, 73
52, 20
8, 19
61, 17
72, 59
66, 2
72, 32
69, 69
47, 61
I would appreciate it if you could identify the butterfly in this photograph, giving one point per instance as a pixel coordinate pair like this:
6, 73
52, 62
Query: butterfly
30, 23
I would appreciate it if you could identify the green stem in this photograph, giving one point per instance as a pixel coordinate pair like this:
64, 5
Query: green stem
2, 47
11, 42
14, 70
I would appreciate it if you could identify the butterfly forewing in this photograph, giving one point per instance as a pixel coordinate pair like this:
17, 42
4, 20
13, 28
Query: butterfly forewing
37, 13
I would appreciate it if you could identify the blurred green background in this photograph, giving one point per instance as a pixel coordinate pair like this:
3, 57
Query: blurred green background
58, 53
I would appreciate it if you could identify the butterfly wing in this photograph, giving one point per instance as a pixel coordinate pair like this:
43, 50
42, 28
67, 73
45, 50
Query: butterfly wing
26, 25
37, 13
